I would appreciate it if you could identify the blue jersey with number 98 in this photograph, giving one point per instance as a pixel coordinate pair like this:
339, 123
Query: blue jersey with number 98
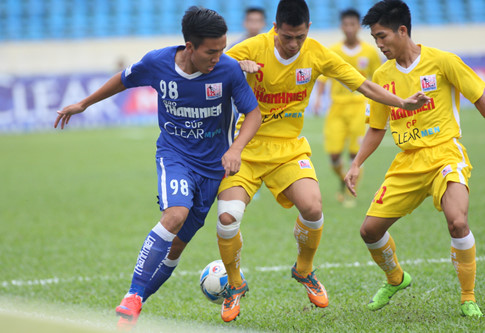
194, 110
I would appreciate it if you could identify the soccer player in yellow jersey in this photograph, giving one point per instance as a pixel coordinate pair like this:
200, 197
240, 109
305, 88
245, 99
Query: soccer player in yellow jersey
432, 163
345, 122
289, 65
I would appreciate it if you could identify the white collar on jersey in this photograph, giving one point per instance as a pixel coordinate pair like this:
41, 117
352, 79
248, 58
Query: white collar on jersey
185, 75
351, 51
285, 61
410, 68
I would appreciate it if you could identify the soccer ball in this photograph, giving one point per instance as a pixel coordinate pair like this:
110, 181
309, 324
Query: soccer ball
213, 281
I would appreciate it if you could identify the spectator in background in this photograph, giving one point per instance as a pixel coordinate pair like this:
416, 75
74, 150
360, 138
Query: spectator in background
254, 22
345, 122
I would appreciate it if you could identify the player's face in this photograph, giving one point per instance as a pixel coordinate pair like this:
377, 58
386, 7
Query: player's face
254, 23
290, 39
207, 55
350, 26
389, 42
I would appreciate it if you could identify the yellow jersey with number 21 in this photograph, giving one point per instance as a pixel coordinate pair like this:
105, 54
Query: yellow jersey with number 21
440, 75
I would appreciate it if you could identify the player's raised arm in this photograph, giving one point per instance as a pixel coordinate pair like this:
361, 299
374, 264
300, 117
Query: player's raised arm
231, 160
110, 88
375, 92
372, 140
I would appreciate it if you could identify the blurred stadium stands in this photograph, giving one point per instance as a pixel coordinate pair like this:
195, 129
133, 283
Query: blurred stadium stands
55, 52
79, 19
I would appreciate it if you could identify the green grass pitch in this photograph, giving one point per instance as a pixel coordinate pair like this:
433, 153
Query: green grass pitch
75, 207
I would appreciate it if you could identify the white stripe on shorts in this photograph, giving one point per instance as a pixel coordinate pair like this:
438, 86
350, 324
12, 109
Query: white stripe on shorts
163, 186
462, 164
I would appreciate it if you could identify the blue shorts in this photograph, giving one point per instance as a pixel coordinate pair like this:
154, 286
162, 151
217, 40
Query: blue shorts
180, 186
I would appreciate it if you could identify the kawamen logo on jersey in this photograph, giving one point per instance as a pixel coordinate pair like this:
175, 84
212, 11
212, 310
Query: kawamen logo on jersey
303, 75
213, 91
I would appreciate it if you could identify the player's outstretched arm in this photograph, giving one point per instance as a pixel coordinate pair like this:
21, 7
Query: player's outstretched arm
110, 88
372, 140
249, 66
375, 92
480, 104
231, 160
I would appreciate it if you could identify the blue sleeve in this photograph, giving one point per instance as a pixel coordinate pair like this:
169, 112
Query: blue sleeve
140, 73
242, 94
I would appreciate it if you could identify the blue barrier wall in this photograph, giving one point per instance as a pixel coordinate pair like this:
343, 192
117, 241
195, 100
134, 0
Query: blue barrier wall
29, 103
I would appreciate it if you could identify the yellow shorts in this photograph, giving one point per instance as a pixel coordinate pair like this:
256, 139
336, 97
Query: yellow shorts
417, 174
276, 162
344, 122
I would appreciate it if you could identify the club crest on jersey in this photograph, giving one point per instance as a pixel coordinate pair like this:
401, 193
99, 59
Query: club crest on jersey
303, 75
213, 91
428, 83
305, 164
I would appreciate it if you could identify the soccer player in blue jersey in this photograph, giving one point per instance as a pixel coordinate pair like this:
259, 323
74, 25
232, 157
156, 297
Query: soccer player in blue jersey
195, 149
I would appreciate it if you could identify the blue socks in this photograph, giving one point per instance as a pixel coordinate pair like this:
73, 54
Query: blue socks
155, 248
164, 271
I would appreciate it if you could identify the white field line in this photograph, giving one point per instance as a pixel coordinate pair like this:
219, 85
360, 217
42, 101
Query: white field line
56, 280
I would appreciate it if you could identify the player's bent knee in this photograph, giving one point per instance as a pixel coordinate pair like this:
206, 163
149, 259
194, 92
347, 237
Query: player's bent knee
311, 213
367, 234
230, 214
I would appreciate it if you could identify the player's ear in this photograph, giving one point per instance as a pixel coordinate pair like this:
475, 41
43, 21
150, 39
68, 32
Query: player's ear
189, 46
402, 30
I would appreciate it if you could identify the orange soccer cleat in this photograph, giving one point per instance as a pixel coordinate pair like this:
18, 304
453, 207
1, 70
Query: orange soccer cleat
230, 306
129, 311
316, 291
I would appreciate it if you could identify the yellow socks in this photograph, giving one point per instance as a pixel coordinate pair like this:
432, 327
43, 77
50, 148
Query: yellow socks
463, 259
384, 254
307, 235
230, 250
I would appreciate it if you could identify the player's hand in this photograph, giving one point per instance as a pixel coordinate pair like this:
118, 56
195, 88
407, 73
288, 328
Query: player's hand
231, 161
416, 101
351, 179
249, 66
65, 114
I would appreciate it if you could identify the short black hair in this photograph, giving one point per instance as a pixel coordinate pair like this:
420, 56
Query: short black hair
199, 23
389, 13
292, 12
251, 10
350, 12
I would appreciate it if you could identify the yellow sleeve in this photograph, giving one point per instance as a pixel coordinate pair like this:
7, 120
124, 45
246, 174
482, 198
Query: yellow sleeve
462, 77
240, 51
335, 67
322, 79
